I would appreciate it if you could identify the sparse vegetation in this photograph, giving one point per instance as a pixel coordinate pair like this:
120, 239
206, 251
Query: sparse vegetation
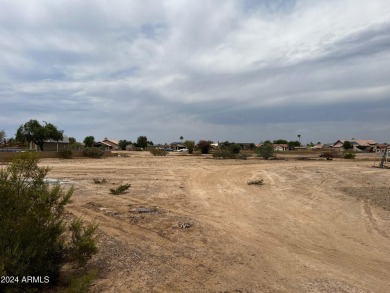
65, 154
93, 152
81, 284
120, 189
158, 152
242, 156
349, 156
32, 226
223, 154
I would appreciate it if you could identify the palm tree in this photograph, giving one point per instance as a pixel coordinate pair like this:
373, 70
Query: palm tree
299, 137
181, 138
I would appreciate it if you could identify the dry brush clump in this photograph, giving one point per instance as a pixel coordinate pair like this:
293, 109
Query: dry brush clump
120, 189
158, 152
256, 182
93, 153
99, 181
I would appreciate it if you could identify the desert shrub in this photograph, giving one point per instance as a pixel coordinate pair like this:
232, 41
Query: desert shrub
81, 284
99, 181
65, 154
32, 225
93, 152
256, 182
158, 152
266, 151
242, 156
83, 243
204, 146
235, 148
223, 154
349, 156
190, 145
120, 189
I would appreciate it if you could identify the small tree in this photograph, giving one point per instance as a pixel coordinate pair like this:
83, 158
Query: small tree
347, 145
266, 151
280, 141
142, 142
204, 146
89, 141
235, 148
72, 140
32, 225
190, 144
124, 143
293, 144
2, 136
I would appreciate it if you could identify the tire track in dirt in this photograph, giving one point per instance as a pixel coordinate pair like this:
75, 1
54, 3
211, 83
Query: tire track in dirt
370, 220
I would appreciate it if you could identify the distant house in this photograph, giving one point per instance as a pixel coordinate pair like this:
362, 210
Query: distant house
358, 145
130, 147
53, 145
280, 147
318, 146
177, 146
381, 148
109, 144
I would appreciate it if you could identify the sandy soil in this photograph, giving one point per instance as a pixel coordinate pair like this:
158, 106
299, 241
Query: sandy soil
209, 231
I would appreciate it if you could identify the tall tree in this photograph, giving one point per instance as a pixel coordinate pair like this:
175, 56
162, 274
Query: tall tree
181, 138
347, 145
299, 138
33, 131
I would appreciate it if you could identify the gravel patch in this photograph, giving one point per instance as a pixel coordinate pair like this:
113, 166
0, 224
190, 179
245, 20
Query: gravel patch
379, 196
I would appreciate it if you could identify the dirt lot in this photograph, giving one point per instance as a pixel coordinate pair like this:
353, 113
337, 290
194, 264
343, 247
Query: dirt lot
193, 224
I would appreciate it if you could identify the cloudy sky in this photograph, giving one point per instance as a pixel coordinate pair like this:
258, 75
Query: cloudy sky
242, 71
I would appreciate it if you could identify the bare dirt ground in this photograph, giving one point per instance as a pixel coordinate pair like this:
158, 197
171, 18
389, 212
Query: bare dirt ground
205, 229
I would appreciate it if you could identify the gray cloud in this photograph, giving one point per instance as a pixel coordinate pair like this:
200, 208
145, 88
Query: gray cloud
218, 70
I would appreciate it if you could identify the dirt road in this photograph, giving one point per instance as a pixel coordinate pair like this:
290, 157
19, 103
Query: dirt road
193, 224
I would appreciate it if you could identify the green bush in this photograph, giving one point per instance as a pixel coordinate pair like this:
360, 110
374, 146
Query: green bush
93, 152
204, 146
349, 156
120, 189
190, 145
158, 152
223, 154
81, 284
266, 151
235, 148
65, 154
32, 225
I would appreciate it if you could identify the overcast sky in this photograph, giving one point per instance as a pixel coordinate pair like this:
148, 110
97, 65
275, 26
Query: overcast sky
242, 71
